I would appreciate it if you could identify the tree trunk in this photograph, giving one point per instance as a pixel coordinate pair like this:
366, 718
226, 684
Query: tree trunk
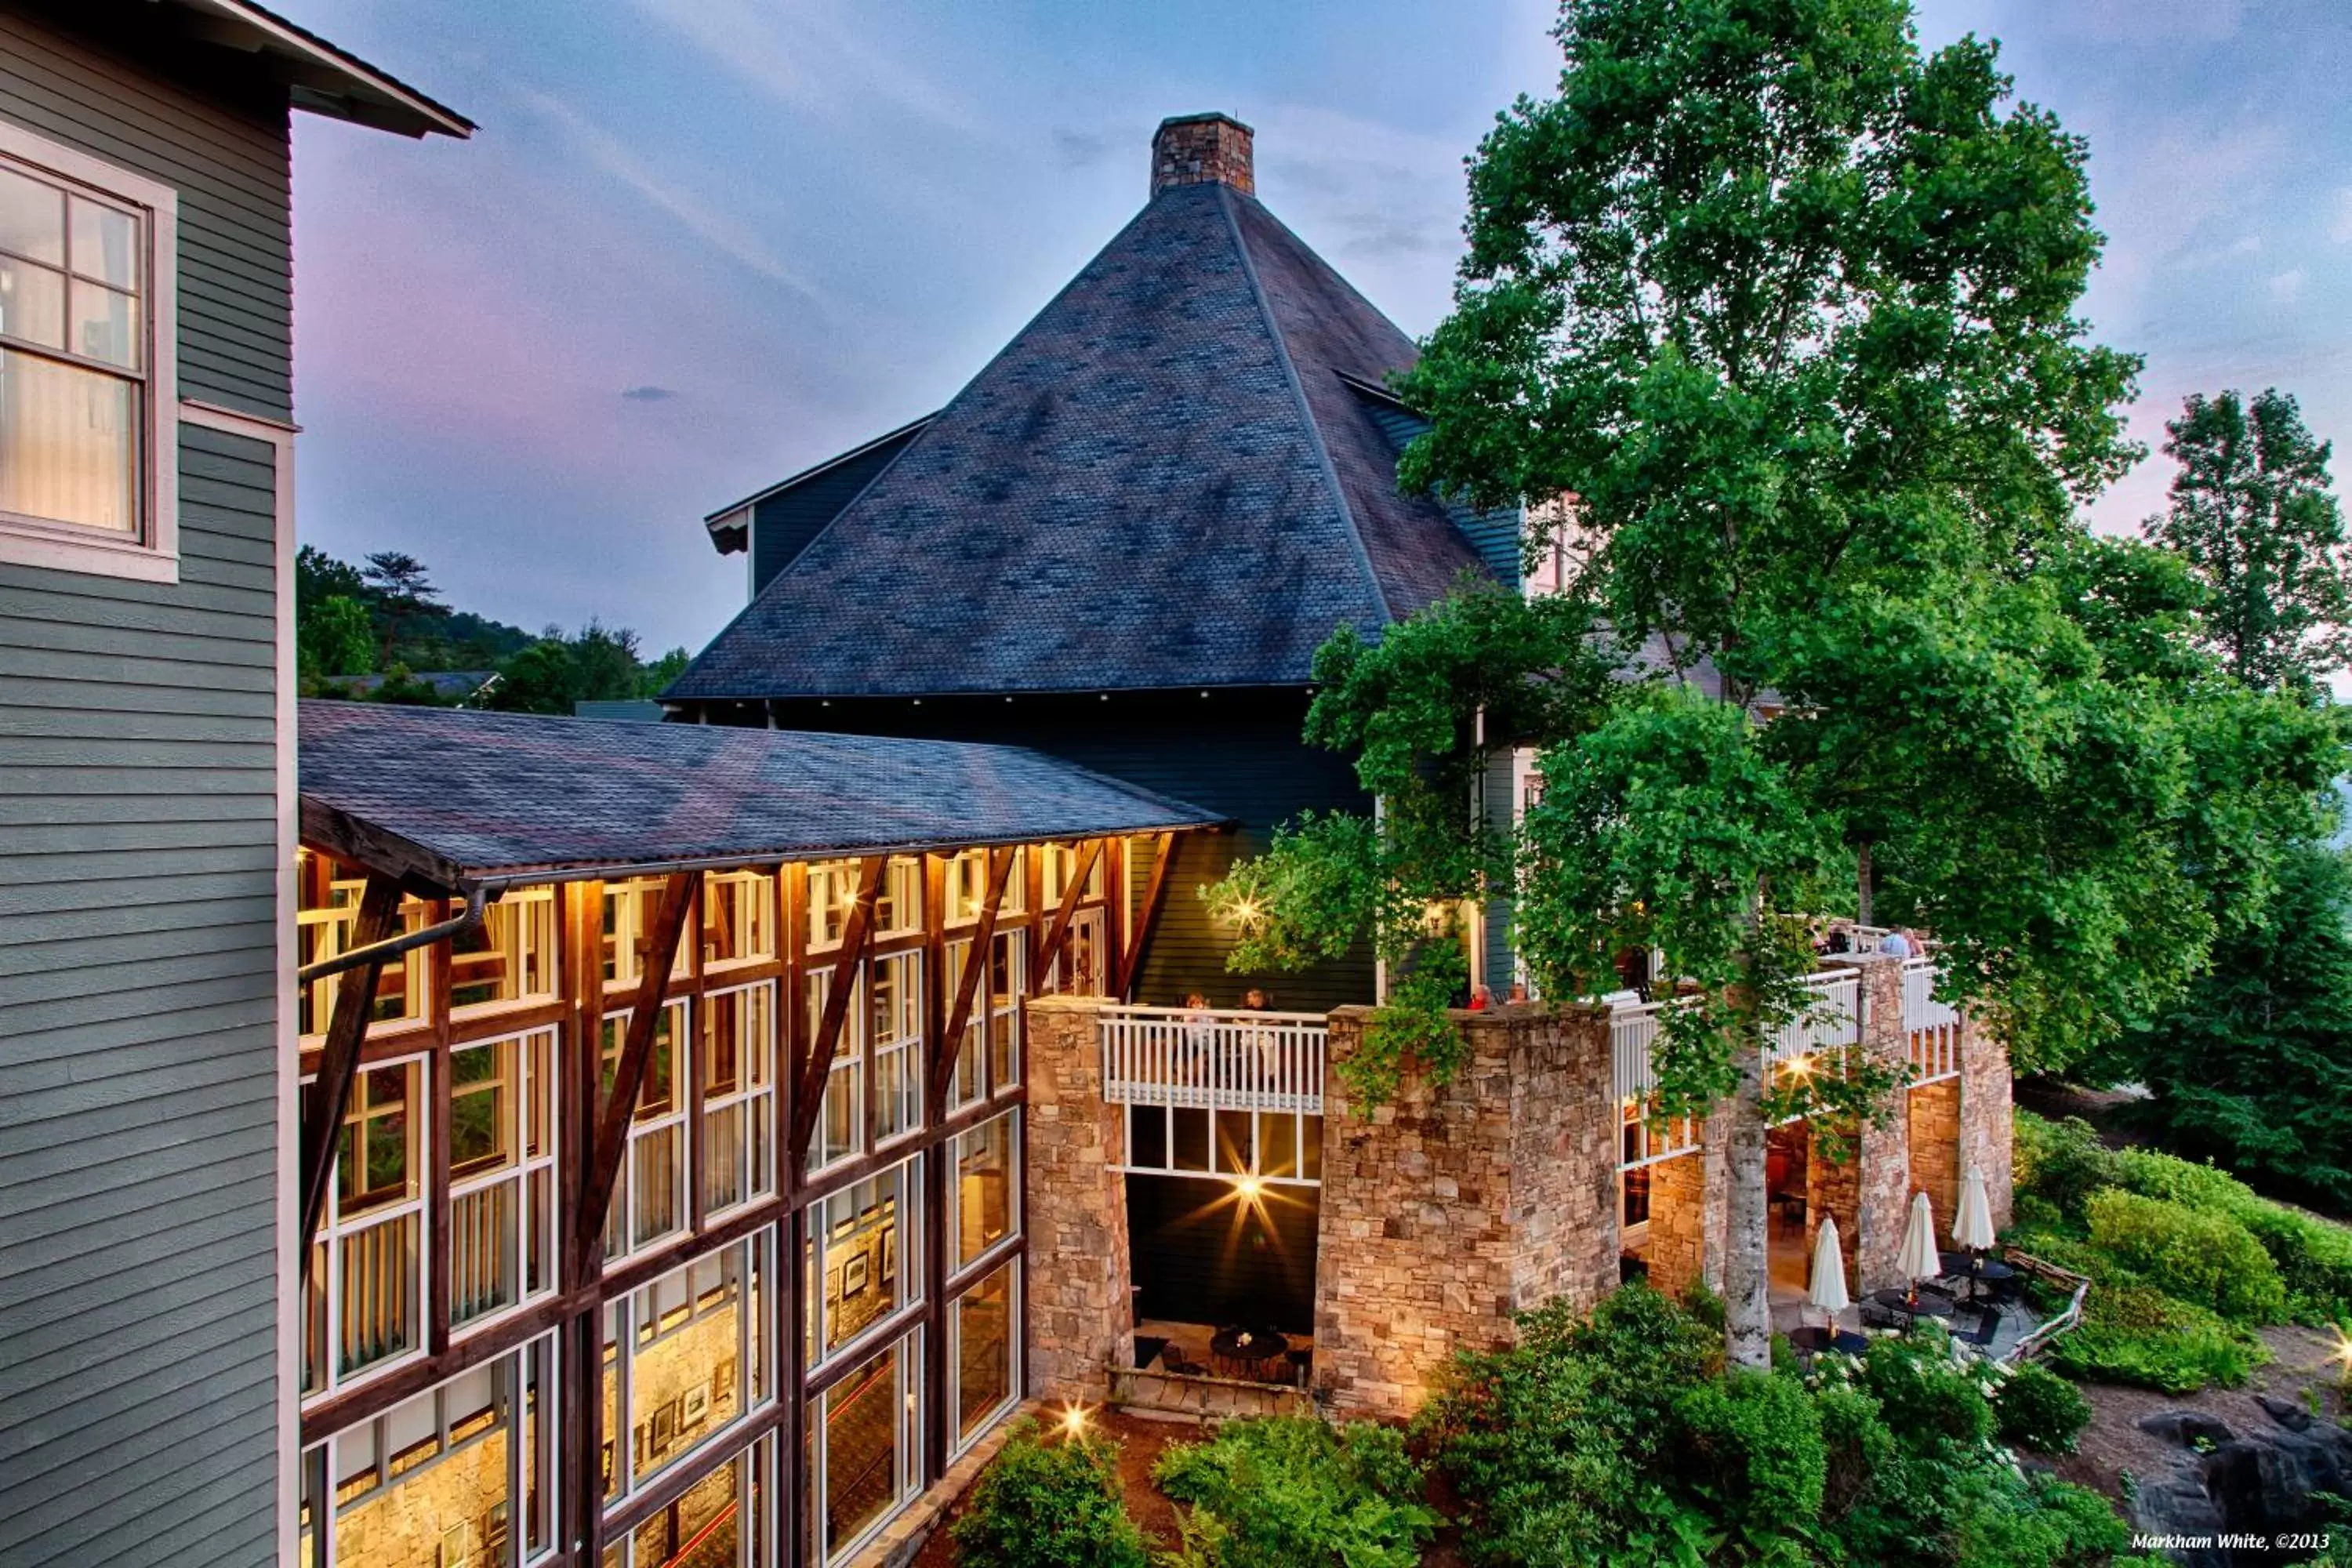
1747, 1268
1865, 883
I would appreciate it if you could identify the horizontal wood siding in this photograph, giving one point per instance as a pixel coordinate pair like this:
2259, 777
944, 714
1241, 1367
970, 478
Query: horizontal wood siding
782, 524
99, 76
1236, 753
138, 1007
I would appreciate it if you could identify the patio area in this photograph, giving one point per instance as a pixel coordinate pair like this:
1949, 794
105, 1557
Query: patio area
1197, 1369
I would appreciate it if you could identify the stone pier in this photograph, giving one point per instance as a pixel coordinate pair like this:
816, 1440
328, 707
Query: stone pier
1985, 1113
1449, 1210
1081, 1311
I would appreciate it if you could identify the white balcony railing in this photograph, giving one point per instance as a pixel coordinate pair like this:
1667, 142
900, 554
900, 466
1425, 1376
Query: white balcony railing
1226, 1061
1831, 1019
1932, 1028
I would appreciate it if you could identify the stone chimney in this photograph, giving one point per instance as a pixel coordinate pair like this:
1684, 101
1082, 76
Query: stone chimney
1199, 150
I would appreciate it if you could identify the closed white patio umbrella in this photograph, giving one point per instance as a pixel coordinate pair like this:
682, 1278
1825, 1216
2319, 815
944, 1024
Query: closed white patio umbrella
1918, 1259
1827, 1291
1974, 1230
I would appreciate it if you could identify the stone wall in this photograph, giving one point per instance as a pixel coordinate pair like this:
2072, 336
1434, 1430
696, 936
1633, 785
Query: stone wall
1985, 1114
1450, 1209
1882, 1176
1081, 1312
1934, 1110
1678, 1253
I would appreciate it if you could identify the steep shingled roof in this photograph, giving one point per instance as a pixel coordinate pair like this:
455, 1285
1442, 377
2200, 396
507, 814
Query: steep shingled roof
1163, 482
454, 797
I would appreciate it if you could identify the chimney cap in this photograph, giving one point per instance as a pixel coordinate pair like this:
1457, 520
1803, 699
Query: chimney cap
1214, 148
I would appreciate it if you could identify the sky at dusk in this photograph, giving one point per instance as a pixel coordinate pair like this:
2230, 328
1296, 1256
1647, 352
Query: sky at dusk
700, 244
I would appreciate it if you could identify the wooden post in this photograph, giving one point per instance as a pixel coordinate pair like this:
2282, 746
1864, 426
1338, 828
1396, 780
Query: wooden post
1147, 914
330, 1093
975, 970
605, 1155
1059, 931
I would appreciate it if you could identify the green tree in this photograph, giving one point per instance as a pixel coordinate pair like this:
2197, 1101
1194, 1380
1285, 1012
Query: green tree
1781, 310
334, 637
403, 595
2252, 515
599, 663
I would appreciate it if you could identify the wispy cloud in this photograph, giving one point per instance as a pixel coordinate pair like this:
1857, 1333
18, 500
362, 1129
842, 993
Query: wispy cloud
807, 54
2287, 287
613, 158
648, 394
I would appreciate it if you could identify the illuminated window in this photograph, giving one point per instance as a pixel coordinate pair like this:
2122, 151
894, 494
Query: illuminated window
738, 1097
509, 960
898, 907
326, 925
896, 992
720, 1522
842, 1117
862, 1466
832, 891
987, 1205
629, 912
739, 918
982, 1354
363, 1300
649, 1197
869, 1234
968, 1082
694, 1347
1007, 969
967, 887
462, 1474
501, 1174
1057, 866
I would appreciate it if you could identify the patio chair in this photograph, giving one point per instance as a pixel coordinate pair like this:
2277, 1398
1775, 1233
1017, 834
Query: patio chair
1879, 1315
1981, 1336
1177, 1362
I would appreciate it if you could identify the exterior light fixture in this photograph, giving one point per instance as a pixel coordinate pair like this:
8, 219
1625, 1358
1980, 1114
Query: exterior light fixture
1249, 1187
1074, 1421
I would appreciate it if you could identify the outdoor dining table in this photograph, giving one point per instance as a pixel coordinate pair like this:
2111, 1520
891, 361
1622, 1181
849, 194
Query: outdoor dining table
1813, 1340
1240, 1350
1978, 1270
1928, 1305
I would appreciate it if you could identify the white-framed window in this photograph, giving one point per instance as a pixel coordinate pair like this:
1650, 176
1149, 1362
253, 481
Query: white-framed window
896, 991
968, 1082
739, 918
986, 1170
89, 394
1058, 866
325, 927
841, 1119
864, 1463
725, 1520
966, 886
832, 890
739, 1096
686, 1357
1008, 968
363, 1302
864, 1257
501, 1176
899, 904
509, 960
629, 911
463, 1474
984, 1354
649, 1197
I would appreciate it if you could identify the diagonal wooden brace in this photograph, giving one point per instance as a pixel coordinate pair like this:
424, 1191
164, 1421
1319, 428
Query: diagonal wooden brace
658, 952
1147, 914
328, 1095
808, 1098
1059, 931
975, 969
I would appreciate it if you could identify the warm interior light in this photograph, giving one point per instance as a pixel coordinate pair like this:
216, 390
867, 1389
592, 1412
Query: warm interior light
1802, 1066
1074, 1420
1248, 1187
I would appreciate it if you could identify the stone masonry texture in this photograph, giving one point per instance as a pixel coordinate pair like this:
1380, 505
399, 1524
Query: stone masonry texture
1081, 1315
1450, 1209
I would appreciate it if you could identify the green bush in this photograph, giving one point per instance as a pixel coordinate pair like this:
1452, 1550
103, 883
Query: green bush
2037, 1409
2048, 1523
2060, 1163
1295, 1492
2205, 1259
1049, 1505
1753, 1441
2133, 1334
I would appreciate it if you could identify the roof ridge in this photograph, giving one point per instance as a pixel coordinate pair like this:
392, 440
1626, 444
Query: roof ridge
1306, 410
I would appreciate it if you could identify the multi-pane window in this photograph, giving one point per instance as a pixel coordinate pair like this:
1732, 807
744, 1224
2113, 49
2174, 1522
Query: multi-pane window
738, 1097
1077, 969
630, 909
896, 992
832, 892
842, 1115
864, 1259
899, 905
461, 1474
684, 1358
501, 1174
966, 883
327, 926
720, 1522
987, 1191
968, 1083
509, 960
649, 1196
77, 352
739, 918
365, 1306
1058, 867
983, 1352
1007, 969
862, 1449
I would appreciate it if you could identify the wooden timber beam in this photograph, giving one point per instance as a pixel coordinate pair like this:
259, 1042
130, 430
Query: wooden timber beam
330, 1093
1147, 914
808, 1098
1059, 931
975, 968
656, 954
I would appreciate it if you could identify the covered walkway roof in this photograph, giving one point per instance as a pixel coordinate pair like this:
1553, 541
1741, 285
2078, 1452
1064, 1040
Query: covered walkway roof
445, 799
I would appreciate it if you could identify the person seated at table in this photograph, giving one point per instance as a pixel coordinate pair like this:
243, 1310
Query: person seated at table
1481, 998
1200, 1033
1895, 944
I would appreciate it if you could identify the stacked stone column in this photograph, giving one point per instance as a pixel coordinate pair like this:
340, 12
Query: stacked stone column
1081, 1311
1448, 1210
1880, 1171
1985, 1113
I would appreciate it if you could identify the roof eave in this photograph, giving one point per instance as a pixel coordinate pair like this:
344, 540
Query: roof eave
717, 521
322, 78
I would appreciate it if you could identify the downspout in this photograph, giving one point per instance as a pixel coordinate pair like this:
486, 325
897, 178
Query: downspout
477, 900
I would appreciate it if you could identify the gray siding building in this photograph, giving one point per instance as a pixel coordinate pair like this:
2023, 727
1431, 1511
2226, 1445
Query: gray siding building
146, 771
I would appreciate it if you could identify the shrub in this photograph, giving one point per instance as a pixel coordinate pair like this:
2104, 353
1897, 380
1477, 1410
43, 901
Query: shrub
2133, 1334
2047, 1523
2060, 1163
1294, 1492
1049, 1505
2037, 1409
2205, 1259
1753, 1442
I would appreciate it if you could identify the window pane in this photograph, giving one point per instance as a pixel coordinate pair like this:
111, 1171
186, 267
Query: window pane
430, 1481
69, 444
105, 325
32, 218
482, 1083
701, 1529
983, 1352
685, 1358
105, 244
32, 302
866, 1229
509, 958
984, 1188
866, 1459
